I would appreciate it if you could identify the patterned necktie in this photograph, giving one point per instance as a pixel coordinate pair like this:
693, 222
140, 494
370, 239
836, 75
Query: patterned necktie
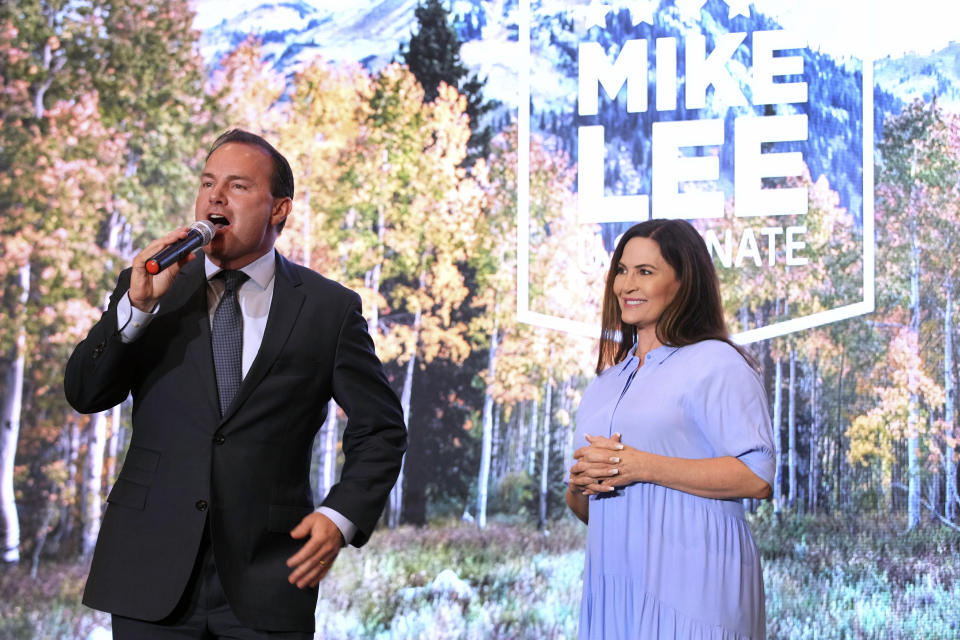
226, 337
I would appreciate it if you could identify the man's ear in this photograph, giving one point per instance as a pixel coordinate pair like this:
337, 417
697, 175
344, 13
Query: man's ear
281, 209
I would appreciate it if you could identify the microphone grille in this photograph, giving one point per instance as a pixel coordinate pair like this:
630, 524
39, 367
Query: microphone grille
206, 230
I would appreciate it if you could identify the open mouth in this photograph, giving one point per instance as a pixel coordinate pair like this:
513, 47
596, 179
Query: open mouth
219, 220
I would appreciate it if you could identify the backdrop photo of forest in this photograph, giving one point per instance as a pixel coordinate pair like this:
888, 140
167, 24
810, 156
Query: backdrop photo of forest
412, 168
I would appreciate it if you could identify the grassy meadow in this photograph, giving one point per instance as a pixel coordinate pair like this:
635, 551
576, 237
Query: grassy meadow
825, 578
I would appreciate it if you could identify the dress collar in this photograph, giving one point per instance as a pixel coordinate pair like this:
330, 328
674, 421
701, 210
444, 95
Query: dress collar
654, 356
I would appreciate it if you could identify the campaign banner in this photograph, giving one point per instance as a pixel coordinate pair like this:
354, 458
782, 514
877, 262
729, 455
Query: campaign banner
716, 113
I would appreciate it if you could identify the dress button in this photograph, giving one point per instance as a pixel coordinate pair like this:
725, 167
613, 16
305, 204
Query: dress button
201, 505
219, 439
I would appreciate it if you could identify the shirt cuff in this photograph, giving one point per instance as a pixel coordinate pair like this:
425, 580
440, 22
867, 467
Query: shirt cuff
347, 528
131, 321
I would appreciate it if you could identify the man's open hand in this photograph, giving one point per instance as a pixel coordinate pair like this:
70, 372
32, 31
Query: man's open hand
316, 556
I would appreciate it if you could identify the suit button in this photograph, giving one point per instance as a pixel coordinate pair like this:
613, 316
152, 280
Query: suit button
219, 439
201, 505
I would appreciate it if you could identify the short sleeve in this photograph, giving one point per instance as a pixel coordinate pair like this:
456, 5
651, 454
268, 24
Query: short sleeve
733, 413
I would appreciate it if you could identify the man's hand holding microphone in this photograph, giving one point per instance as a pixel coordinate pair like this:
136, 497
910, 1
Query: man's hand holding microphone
155, 268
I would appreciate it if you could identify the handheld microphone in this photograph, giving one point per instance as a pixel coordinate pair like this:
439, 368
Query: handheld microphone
200, 234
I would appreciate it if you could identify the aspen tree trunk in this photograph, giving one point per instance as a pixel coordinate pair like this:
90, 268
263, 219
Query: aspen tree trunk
913, 440
92, 501
10, 431
933, 486
328, 451
568, 440
838, 454
91, 488
792, 431
777, 435
324, 454
486, 443
532, 443
545, 461
396, 494
519, 447
506, 432
496, 448
814, 466
375, 273
113, 444
950, 499
9, 434
71, 438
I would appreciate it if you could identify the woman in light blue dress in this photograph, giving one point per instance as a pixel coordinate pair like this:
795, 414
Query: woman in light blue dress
674, 431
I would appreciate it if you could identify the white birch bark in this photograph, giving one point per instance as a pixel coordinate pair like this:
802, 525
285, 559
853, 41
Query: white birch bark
519, 448
113, 444
545, 460
532, 442
813, 475
93, 481
951, 500
396, 494
71, 446
496, 446
792, 431
486, 441
328, 451
777, 435
568, 440
913, 440
10, 432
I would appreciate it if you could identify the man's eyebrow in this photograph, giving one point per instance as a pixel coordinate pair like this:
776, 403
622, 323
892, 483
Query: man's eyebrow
236, 176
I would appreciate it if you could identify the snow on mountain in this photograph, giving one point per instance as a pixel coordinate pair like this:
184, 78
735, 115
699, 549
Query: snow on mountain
915, 76
372, 31
295, 31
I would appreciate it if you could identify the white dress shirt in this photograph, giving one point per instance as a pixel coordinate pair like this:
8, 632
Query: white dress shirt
255, 296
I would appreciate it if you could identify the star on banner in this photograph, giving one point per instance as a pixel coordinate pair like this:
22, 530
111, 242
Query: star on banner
738, 8
644, 15
596, 14
691, 8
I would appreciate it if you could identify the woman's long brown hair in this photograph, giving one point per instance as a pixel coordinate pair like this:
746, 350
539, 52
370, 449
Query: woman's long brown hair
696, 312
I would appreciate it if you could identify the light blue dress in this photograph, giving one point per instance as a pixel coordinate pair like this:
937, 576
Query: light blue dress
662, 563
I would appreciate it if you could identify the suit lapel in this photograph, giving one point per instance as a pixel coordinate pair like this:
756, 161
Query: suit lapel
285, 308
190, 294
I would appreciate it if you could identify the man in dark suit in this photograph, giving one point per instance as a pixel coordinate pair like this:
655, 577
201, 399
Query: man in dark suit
231, 358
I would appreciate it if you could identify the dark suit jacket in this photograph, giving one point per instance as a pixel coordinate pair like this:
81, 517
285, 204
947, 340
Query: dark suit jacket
247, 472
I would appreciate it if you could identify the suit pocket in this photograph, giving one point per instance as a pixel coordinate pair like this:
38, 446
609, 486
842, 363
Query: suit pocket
282, 518
142, 459
140, 465
128, 494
